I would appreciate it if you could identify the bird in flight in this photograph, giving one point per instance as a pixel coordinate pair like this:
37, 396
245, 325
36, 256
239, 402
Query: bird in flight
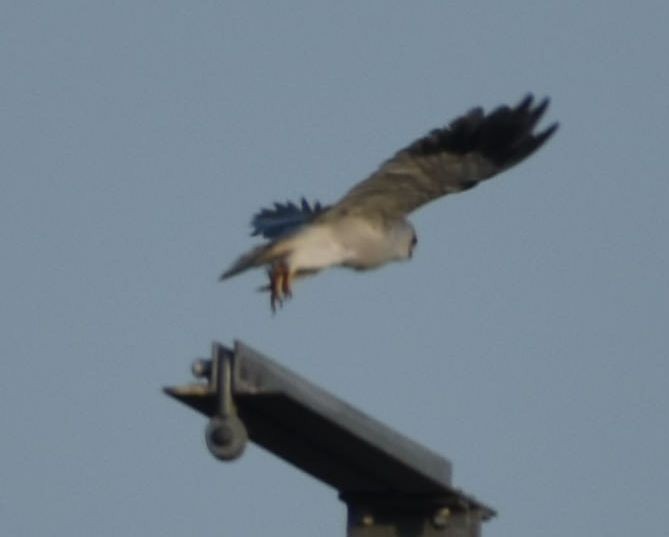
368, 227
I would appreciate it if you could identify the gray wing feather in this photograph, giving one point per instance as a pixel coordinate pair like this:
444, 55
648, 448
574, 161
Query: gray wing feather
474, 147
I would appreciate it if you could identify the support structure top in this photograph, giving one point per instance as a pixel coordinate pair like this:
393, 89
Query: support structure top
324, 436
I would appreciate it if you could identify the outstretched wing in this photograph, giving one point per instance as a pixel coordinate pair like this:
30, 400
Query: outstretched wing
284, 218
472, 148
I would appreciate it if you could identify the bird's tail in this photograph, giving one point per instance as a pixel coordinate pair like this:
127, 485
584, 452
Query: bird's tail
256, 257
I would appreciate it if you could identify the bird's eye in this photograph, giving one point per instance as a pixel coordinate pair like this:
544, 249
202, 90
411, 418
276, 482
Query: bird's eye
412, 246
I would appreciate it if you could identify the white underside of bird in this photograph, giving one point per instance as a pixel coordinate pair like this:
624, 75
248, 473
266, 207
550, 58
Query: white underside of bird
353, 243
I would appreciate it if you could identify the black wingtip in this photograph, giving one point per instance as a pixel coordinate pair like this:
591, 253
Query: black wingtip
525, 103
504, 135
227, 274
541, 108
544, 135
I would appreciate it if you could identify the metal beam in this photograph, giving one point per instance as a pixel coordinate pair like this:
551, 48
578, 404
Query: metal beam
392, 485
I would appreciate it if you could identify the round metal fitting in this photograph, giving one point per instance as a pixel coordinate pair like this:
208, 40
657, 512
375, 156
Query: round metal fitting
226, 437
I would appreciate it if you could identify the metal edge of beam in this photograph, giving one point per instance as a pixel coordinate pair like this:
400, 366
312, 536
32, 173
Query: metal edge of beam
255, 373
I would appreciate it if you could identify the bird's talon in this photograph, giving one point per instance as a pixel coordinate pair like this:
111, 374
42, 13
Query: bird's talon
286, 289
277, 285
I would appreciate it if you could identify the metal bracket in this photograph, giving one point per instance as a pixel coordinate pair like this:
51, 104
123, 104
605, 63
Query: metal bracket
225, 434
386, 516
391, 485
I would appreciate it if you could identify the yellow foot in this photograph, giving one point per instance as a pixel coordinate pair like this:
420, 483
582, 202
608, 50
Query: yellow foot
286, 282
275, 285
279, 284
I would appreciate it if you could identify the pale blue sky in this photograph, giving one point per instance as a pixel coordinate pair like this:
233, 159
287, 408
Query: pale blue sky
526, 341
